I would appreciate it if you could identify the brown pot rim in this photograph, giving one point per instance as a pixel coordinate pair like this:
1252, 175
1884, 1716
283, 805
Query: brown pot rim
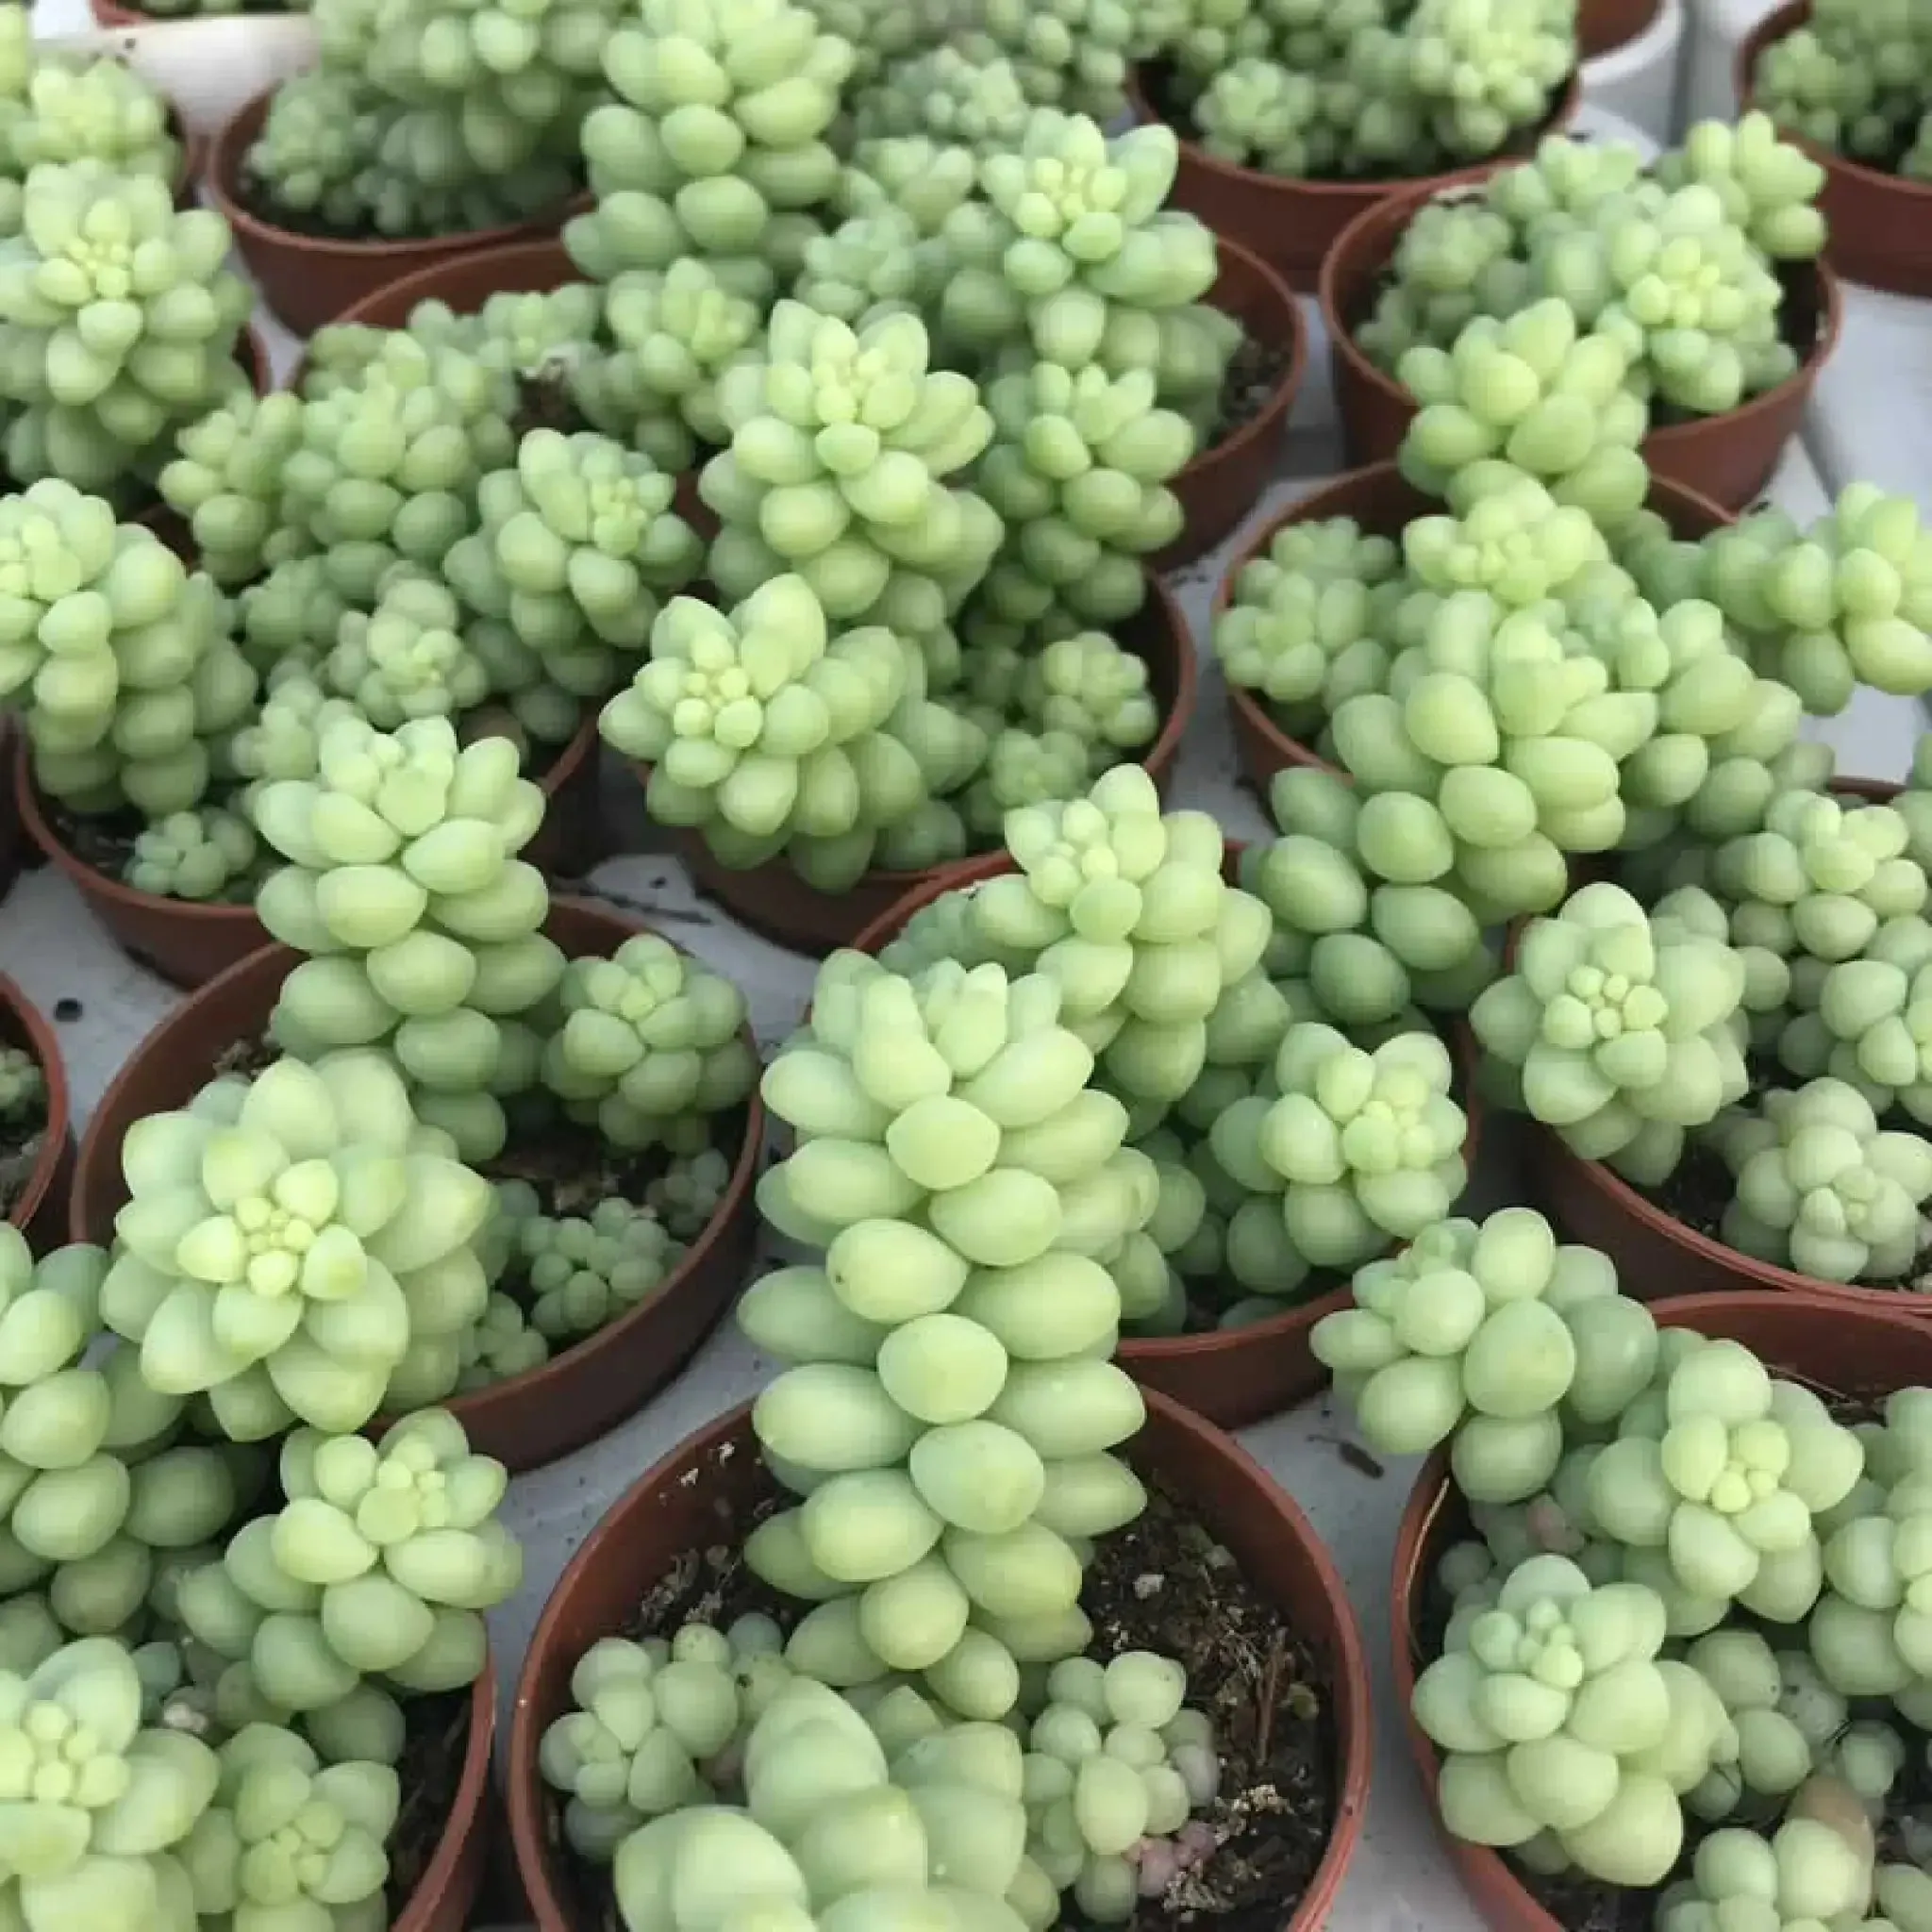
1660, 441
228, 150
423, 1911
1157, 757
1268, 420
401, 297
1776, 25
96, 1154
1317, 503
196, 913
1563, 106
32, 1024
1351, 1710
1485, 1875
1206, 1343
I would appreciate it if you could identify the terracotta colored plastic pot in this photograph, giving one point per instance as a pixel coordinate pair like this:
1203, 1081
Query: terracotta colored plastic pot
1729, 459
1221, 486
188, 944
528, 1420
1861, 1354
778, 906
310, 280
1880, 225
701, 1494
1382, 502
38, 1211
1233, 1376
1602, 24
464, 282
445, 1895
1291, 225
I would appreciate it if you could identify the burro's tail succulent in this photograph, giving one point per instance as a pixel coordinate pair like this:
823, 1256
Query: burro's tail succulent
423, 927
1619, 1029
1489, 1335
1563, 1725
832, 1837
286, 1240
1821, 1189
651, 1045
841, 446
379, 1563
290, 1841
96, 1807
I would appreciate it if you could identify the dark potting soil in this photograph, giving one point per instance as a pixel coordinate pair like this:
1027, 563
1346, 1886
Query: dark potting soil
1160, 1584
1255, 372
544, 402
21, 1141
429, 1770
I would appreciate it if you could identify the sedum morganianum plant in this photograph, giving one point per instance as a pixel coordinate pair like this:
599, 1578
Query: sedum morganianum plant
119, 659
948, 1417
842, 445
1619, 1029
289, 1240
422, 928
766, 733
100, 1805
1563, 1723
1494, 1337
119, 321
1071, 242
374, 1572
1125, 909
715, 144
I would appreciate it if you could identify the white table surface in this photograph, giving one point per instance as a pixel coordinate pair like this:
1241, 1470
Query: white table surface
1400, 1882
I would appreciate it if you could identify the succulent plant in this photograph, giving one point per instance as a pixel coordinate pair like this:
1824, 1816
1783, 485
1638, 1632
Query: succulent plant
768, 735
946, 1410
1619, 1028
1115, 1766
1725, 1476
654, 1725
675, 332
1079, 471
842, 443
1821, 1188
288, 1836
587, 1271
1559, 1717
715, 146
23, 1088
105, 1804
286, 1238
205, 854
1080, 232
1479, 1334
1804, 1872
101, 363
651, 1045
423, 927
118, 658
577, 541
829, 1824
379, 1563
